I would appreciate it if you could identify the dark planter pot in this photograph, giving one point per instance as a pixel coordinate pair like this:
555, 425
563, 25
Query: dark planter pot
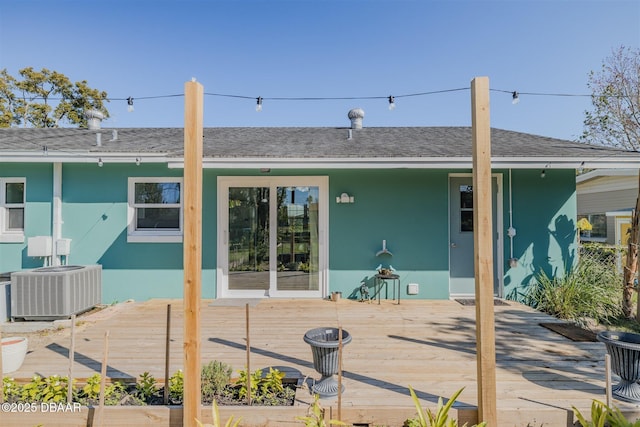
324, 347
624, 349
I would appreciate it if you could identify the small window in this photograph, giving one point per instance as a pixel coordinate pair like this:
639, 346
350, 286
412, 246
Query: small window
12, 202
155, 210
598, 227
466, 208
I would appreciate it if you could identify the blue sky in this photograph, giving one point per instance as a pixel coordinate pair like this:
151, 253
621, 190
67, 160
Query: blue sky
325, 48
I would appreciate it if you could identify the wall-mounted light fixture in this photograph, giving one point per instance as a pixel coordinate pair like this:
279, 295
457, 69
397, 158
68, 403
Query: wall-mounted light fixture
345, 198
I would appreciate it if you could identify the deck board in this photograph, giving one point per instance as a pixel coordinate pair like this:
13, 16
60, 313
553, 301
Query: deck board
429, 345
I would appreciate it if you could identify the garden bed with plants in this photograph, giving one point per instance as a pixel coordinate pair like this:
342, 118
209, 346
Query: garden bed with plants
268, 388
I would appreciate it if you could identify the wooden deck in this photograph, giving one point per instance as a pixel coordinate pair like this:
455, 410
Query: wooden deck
429, 345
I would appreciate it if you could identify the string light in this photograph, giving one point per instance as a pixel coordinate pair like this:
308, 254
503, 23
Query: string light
100, 163
515, 97
581, 167
138, 160
544, 171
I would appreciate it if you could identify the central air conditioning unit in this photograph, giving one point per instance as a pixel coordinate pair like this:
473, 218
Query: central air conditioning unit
50, 293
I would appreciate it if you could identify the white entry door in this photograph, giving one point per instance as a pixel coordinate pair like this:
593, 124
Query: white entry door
272, 236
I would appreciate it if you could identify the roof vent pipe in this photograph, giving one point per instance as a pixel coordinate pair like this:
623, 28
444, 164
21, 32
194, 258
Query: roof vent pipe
356, 115
94, 119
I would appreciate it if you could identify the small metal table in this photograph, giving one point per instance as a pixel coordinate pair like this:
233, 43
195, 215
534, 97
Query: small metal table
382, 279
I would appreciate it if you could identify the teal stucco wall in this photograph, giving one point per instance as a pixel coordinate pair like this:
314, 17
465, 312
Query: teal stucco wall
406, 207
37, 212
544, 216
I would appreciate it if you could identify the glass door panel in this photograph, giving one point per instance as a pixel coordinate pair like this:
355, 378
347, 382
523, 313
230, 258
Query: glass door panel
248, 238
297, 249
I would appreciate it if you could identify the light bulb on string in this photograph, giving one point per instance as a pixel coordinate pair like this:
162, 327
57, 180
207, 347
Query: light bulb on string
515, 98
259, 104
100, 163
130, 104
392, 103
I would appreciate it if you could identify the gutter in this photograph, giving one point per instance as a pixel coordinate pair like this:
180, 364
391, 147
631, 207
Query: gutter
56, 229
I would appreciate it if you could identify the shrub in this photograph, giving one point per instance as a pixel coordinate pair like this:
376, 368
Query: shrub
176, 387
267, 390
49, 389
591, 289
146, 387
215, 376
217, 422
11, 389
603, 415
426, 418
90, 393
315, 416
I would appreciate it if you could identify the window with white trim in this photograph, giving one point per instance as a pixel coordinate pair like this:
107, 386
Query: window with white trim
12, 202
155, 210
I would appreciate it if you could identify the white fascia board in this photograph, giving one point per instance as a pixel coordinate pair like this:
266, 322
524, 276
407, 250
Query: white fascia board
409, 163
605, 172
84, 157
619, 213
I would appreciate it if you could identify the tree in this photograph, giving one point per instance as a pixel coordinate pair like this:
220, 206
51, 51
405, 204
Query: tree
45, 99
615, 118
615, 121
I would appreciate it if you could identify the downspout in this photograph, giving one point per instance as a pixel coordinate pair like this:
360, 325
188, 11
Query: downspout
511, 232
57, 213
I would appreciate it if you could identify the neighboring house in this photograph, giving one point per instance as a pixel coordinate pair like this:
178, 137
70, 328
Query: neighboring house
606, 198
291, 212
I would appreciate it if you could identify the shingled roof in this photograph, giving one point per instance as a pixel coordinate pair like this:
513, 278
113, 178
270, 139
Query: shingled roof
420, 145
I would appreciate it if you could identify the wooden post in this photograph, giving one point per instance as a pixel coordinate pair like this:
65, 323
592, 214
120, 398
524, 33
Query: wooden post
72, 352
167, 354
248, 357
607, 382
340, 374
483, 251
103, 380
192, 191
1, 373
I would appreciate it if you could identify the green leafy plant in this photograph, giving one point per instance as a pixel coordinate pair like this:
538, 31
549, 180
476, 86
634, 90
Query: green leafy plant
591, 289
48, 389
32, 391
272, 381
440, 418
602, 415
113, 393
55, 389
11, 389
176, 386
256, 378
91, 389
215, 377
146, 387
216, 418
315, 416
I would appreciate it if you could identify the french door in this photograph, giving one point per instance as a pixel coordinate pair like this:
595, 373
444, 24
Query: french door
271, 236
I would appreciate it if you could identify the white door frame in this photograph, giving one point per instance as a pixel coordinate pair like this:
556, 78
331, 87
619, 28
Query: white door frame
499, 248
224, 183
